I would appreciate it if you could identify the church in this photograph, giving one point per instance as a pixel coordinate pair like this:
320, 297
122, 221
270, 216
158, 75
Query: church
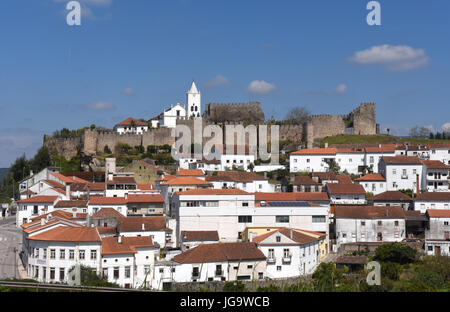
169, 117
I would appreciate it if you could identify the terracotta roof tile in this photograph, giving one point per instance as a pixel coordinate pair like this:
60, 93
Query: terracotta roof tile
186, 181
190, 173
145, 198
297, 236
100, 200
372, 177
189, 236
134, 224
128, 245
391, 196
316, 151
39, 199
214, 192
220, 252
347, 188
401, 160
71, 203
107, 213
130, 121
122, 180
433, 196
68, 234
435, 164
145, 187
308, 196
369, 212
236, 176
438, 213
304, 180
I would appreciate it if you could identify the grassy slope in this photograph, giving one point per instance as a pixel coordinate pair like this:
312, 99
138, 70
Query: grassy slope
373, 139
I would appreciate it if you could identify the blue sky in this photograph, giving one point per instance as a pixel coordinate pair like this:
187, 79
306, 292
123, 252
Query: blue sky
135, 58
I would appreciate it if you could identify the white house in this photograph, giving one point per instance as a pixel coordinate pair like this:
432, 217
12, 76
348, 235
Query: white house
131, 125
436, 176
246, 181
432, 200
128, 261
401, 172
392, 198
230, 211
289, 252
33, 207
52, 253
374, 154
346, 193
373, 183
120, 184
212, 262
440, 151
350, 159
117, 203
312, 159
169, 117
369, 224
154, 227
437, 234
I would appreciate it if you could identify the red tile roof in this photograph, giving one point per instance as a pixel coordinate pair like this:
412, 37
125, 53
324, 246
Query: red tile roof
134, 224
401, 160
435, 164
369, 212
236, 176
391, 196
293, 234
316, 151
128, 245
303, 180
122, 180
438, 213
433, 196
372, 177
107, 230
145, 198
186, 181
340, 188
130, 121
145, 187
190, 236
71, 203
68, 234
62, 214
107, 213
214, 192
220, 252
190, 173
100, 200
344, 179
54, 184
309, 196
39, 199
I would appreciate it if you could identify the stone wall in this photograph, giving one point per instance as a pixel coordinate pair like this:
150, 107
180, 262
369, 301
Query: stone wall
365, 119
67, 147
235, 112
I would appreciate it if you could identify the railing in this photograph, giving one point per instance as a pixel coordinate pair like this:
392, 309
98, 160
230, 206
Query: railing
404, 176
287, 259
271, 260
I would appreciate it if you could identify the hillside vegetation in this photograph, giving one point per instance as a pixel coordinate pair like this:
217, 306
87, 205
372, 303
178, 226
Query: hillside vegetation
374, 139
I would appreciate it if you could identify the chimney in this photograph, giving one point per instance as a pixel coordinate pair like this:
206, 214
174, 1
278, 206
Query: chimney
184, 236
74, 214
417, 185
379, 145
290, 233
88, 192
68, 191
143, 227
31, 173
387, 212
126, 195
119, 239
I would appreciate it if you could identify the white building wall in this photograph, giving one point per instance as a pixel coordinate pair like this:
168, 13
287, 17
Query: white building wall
309, 163
374, 187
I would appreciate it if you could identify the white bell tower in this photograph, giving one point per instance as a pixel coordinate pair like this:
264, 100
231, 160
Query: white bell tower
194, 105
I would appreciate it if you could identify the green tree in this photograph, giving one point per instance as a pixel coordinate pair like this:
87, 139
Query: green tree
107, 150
41, 160
395, 252
327, 276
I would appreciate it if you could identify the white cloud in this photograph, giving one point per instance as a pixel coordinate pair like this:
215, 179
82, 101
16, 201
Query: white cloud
128, 91
260, 87
395, 58
341, 89
446, 127
217, 81
99, 106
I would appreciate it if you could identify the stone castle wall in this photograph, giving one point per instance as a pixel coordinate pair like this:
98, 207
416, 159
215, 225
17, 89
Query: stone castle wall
251, 113
318, 126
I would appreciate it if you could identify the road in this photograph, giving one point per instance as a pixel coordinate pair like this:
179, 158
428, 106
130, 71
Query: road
10, 240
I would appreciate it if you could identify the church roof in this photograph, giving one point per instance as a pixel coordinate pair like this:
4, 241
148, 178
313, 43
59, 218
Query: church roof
193, 88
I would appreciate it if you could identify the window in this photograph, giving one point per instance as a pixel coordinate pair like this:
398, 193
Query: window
45, 253
318, 219
61, 274
71, 254
195, 272
245, 204
271, 254
62, 254
363, 223
52, 253
244, 219
430, 248
307, 160
282, 219
445, 222
161, 270
250, 266
44, 273
394, 171
260, 275
286, 253
81, 254
146, 269
379, 223
93, 254
116, 272
414, 171
279, 268
52, 273
127, 271
396, 223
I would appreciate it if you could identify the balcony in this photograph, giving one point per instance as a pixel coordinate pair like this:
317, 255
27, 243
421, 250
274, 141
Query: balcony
287, 259
404, 176
271, 260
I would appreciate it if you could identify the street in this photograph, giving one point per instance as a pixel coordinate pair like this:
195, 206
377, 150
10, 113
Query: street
10, 240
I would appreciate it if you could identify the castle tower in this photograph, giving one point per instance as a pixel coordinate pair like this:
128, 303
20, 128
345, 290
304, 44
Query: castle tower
193, 100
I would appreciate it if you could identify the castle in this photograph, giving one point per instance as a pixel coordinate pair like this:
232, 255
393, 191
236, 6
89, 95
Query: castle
361, 121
